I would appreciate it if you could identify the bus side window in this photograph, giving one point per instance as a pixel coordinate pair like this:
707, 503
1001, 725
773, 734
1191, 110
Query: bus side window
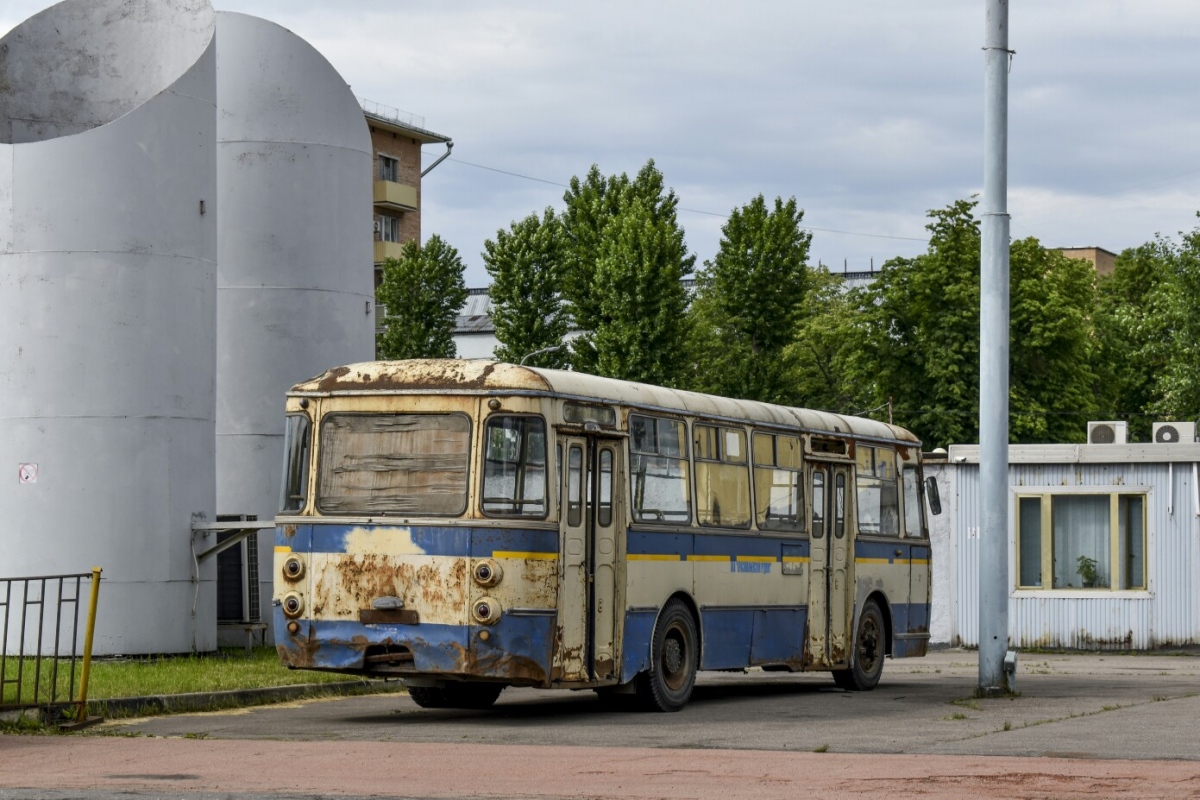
839, 505
658, 470
575, 487
778, 488
605, 512
913, 511
818, 504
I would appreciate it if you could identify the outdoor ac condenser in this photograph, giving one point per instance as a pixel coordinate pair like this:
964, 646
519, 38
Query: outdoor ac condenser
1107, 432
1174, 432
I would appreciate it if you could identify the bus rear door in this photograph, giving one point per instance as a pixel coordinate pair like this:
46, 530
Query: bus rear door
830, 604
590, 513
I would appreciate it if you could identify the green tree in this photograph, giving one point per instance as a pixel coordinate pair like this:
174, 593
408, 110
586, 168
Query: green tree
423, 291
1150, 330
640, 334
595, 217
748, 301
526, 265
922, 337
1181, 381
825, 358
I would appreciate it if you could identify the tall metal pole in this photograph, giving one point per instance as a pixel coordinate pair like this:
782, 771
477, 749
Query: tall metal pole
994, 358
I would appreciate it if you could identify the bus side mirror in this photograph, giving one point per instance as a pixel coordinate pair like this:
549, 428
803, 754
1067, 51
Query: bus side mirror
932, 495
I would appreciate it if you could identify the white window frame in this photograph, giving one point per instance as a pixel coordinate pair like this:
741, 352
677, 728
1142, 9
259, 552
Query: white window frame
1047, 493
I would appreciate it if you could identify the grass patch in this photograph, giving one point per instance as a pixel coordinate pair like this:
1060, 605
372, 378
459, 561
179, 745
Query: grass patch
221, 671
957, 715
821, 749
967, 702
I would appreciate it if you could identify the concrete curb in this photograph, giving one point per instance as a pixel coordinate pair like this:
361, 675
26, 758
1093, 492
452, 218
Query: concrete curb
233, 698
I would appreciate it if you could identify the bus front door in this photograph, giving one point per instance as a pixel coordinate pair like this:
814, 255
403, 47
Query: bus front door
831, 560
590, 515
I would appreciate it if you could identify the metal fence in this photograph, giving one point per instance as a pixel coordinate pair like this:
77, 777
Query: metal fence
40, 663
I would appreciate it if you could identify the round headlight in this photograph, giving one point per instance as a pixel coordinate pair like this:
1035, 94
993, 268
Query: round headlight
293, 604
487, 573
486, 611
293, 567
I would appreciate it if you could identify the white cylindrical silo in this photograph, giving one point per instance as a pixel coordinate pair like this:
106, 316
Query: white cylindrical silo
295, 283
108, 245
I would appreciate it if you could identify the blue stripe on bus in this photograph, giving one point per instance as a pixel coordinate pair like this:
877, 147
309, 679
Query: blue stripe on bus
435, 541
518, 647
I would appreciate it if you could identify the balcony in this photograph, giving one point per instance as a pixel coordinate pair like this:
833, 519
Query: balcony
387, 250
395, 196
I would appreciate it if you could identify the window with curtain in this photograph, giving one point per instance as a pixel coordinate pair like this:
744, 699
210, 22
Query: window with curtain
1092, 541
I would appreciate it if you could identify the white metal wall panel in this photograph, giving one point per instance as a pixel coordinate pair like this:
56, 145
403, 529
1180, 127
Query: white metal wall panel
1166, 615
295, 284
108, 309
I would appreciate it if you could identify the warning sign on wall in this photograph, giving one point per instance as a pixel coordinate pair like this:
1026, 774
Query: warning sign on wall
27, 473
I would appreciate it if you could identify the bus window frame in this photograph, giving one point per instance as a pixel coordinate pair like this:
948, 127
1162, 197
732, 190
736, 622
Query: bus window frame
320, 441
483, 462
686, 459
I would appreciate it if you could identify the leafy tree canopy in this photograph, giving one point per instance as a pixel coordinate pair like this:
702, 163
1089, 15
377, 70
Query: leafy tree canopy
526, 263
423, 291
749, 299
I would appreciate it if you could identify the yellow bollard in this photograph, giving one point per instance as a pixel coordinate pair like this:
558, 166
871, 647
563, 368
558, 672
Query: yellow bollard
87, 646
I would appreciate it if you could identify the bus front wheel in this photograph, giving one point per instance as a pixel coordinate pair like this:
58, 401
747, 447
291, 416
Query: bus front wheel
866, 660
674, 659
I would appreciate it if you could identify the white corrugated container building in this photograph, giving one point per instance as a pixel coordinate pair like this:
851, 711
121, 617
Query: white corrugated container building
1103, 546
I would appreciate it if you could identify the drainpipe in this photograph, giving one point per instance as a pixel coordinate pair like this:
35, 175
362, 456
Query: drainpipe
443, 157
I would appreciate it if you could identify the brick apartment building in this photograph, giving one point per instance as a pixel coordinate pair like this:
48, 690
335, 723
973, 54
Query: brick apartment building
396, 140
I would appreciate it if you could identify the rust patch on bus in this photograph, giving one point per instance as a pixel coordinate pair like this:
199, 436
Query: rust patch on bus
356, 580
417, 375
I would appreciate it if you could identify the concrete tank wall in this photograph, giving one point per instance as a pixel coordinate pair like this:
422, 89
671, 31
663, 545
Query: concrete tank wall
108, 308
295, 284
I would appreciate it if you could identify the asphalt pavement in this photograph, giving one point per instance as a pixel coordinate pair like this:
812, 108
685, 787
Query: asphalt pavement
1081, 725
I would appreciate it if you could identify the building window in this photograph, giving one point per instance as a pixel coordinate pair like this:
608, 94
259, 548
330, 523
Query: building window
389, 168
1091, 541
389, 228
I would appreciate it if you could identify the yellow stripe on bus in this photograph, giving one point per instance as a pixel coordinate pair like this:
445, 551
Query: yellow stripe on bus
653, 557
919, 561
709, 558
758, 559
522, 554
283, 548
874, 561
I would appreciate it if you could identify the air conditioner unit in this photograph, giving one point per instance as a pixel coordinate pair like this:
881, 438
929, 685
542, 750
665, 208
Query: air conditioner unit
1107, 432
1174, 432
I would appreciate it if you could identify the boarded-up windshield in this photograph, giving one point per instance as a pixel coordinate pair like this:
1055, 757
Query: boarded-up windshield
394, 464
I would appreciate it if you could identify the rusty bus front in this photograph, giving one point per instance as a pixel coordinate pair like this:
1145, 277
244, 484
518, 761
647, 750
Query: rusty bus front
393, 559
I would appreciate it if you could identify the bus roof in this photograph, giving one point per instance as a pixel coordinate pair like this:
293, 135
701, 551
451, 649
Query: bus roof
457, 376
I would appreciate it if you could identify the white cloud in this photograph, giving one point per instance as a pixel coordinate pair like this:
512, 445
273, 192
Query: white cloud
869, 113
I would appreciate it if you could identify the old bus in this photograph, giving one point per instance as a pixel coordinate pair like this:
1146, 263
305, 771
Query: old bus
471, 525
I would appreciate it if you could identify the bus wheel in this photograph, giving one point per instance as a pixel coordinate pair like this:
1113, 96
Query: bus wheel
668, 684
866, 660
471, 695
456, 695
427, 696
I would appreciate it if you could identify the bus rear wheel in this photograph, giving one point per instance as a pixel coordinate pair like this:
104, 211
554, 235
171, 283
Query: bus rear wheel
673, 661
866, 660
458, 695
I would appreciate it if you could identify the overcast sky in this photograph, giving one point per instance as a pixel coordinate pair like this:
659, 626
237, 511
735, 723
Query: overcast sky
869, 113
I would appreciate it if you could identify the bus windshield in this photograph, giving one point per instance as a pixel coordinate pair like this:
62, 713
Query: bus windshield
394, 464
